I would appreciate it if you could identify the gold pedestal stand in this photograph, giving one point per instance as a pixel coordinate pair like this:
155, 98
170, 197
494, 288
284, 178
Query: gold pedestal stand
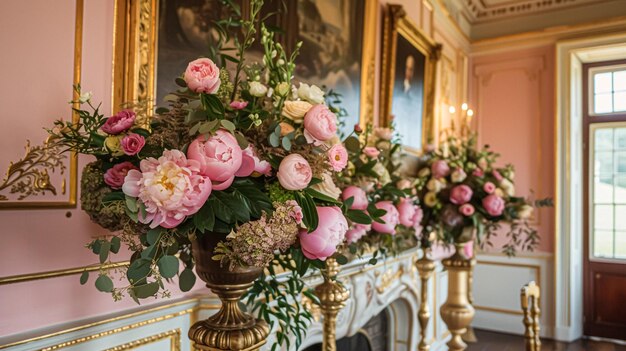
333, 296
425, 267
457, 312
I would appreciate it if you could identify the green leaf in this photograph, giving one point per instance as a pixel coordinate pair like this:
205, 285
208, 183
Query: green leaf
113, 196
168, 266
153, 235
241, 140
186, 280
104, 284
161, 110
95, 246
131, 204
138, 270
353, 144
341, 259
146, 290
309, 211
230, 126
180, 82
170, 98
115, 244
316, 194
204, 220
84, 277
358, 216
105, 248
274, 140
286, 143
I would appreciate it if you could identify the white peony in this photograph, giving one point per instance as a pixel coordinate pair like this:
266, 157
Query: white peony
311, 93
508, 187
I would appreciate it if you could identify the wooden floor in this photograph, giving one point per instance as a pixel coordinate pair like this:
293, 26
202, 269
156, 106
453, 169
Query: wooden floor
490, 341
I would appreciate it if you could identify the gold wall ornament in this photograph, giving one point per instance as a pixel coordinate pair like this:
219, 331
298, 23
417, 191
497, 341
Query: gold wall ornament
230, 328
333, 296
388, 278
457, 312
396, 23
425, 268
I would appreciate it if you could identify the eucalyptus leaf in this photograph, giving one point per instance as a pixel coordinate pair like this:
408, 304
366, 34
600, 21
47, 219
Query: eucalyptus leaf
230, 126
186, 280
84, 277
105, 248
286, 143
104, 283
352, 144
146, 290
115, 244
274, 140
168, 266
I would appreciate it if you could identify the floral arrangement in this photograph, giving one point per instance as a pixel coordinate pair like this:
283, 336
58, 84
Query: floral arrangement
465, 196
248, 156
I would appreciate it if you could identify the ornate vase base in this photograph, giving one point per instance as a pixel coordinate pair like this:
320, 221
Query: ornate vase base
210, 338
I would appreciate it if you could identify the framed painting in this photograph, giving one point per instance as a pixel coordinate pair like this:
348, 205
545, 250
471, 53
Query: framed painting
409, 67
155, 39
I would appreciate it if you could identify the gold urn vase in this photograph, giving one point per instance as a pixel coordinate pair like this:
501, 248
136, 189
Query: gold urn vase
230, 328
457, 312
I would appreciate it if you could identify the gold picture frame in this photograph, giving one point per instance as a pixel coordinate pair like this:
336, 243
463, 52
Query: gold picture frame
136, 44
396, 25
29, 176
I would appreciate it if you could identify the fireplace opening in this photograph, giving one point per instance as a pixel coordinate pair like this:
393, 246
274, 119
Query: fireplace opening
372, 337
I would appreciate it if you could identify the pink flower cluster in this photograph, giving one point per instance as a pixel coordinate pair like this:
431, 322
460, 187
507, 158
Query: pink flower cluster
330, 232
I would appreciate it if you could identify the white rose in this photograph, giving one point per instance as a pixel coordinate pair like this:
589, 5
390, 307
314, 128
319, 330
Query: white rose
257, 89
311, 93
508, 187
458, 175
525, 212
327, 186
84, 97
435, 185
383, 173
295, 110
424, 172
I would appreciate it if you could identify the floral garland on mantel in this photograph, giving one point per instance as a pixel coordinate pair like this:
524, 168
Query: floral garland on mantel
256, 159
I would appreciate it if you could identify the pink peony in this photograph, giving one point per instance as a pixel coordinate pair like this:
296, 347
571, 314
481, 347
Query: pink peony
294, 172
407, 210
238, 105
489, 187
478, 172
371, 151
132, 144
114, 176
220, 157
497, 175
494, 205
357, 232
170, 188
461, 194
417, 219
466, 210
360, 197
391, 218
252, 165
120, 122
320, 124
338, 157
330, 232
296, 210
202, 76
440, 169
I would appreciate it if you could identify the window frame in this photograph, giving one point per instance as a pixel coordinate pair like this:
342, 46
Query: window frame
592, 71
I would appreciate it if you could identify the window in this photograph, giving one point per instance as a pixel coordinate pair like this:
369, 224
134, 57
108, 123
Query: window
608, 90
608, 190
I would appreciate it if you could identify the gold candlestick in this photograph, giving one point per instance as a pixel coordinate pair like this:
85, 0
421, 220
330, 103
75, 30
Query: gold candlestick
457, 312
469, 335
333, 296
425, 267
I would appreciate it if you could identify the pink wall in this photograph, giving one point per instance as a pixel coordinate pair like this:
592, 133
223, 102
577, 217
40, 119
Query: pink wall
513, 93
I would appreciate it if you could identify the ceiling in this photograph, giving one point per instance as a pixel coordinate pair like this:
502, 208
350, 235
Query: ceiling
483, 19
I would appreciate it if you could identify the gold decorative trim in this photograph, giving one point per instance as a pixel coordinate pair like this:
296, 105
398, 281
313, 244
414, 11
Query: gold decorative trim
110, 320
498, 310
20, 278
173, 335
35, 164
368, 64
388, 278
396, 23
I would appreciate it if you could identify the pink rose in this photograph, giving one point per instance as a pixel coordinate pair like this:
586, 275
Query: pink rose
417, 219
120, 122
296, 210
358, 129
114, 176
252, 165
170, 188
360, 201
478, 172
494, 205
357, 232
330, 232
320, 124
497, 175
489, 187
338, 157
371, 151
407, 210
440, 169
391, 218
468, 249
132, 144
202, 76
238, 105
220, 157
461, 194
294, 172
466, 210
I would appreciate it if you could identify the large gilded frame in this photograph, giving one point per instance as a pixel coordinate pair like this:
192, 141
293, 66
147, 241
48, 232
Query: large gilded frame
135, 52
395, 22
